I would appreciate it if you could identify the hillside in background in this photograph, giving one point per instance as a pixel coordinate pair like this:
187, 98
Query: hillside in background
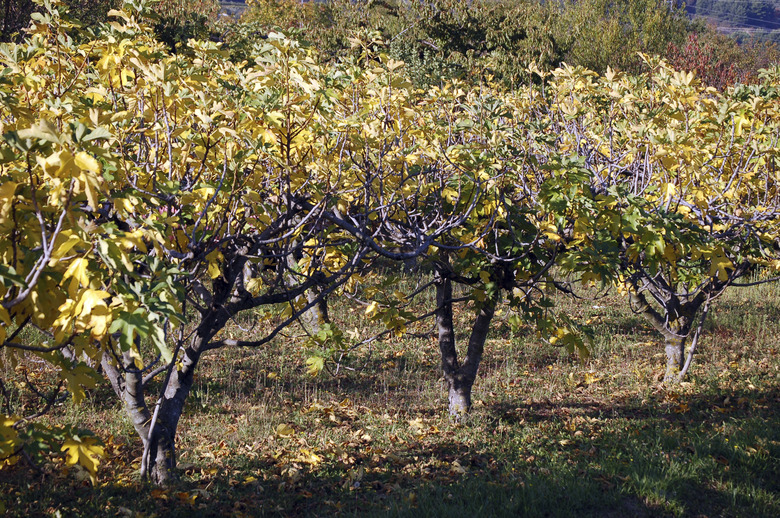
742, 18
756, 18
743, 14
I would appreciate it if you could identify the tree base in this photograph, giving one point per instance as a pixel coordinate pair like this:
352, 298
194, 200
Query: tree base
460, 401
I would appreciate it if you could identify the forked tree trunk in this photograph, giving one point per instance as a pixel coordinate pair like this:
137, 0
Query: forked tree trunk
161, 465
675, 327
459, 377
157, 433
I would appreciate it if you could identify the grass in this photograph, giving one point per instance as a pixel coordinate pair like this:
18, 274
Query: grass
549, 435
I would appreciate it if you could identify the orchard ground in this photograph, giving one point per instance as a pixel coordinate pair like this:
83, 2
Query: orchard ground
549, 435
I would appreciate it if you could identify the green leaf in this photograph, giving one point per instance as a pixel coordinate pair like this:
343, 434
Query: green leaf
130, 324
9, 277
98, 133
158, 339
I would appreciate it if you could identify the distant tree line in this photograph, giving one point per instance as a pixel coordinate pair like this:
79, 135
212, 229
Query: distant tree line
501, 39
743, 13
495, 39
177, 20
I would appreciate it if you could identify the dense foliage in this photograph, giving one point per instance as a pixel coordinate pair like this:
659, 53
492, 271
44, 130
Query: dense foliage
175, 21
500, 39
153, 191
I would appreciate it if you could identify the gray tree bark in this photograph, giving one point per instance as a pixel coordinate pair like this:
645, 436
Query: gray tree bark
675, 327
317, 315
459, 377
158, 435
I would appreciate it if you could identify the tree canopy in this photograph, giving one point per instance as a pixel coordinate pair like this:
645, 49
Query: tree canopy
151, 193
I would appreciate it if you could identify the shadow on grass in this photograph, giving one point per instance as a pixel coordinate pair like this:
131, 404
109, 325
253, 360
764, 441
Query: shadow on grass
483, 489
709, 455
714, 454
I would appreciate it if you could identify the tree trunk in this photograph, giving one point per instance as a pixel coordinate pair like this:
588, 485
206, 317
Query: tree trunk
157, 433
162, 452
675, 326
127, 382
460, 378
675, 357
316, 315
449, 354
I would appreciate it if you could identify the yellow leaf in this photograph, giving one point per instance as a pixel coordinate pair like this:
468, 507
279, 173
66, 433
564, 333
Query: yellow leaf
214, 259
71, 241
187, 498
314, 365
284, 430
670, 253
308, 457
668, 190
254, 285
739, 122
77, 271
9, 440
89, 182
86, 162
682, 408
86, 452
99, 322
124, 205
7, 191
57, 163
591, 378
400, 296
372, 309
457, 468
126, 77
91, 299
719, 265
78, 378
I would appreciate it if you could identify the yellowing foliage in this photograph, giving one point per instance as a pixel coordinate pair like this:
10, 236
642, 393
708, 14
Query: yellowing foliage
135, 183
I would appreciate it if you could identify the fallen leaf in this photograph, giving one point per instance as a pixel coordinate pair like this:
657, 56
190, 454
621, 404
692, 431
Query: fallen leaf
284, 430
